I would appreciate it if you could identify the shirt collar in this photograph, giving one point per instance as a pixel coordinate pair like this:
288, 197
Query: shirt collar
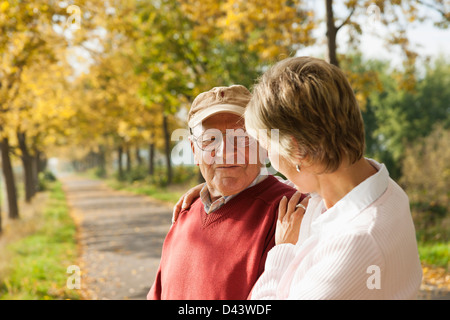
358, 199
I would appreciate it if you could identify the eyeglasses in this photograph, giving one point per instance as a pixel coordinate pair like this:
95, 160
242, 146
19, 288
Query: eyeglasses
211, 139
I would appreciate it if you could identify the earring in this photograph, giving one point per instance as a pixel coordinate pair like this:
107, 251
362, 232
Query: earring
298, 167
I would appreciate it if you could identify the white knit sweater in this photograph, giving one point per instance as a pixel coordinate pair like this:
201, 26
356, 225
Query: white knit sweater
364, 247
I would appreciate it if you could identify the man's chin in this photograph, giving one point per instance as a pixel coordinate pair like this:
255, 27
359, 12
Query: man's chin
231, 185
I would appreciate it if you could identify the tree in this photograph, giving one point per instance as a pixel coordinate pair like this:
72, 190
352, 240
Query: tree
26, 36
1, 226
395, 15
405, 116
110, 114
268, 29
427, 182
42, 110
9, 180
186, 47
174, 57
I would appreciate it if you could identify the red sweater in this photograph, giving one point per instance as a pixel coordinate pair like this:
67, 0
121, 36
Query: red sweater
220, 255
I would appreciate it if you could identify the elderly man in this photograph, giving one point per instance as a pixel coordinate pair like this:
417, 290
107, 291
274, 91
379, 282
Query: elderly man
217, 248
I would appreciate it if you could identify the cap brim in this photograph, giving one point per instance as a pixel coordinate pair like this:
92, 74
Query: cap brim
205, 114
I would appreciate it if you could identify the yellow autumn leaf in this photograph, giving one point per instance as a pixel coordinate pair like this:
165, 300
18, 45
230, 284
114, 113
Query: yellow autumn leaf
4, 6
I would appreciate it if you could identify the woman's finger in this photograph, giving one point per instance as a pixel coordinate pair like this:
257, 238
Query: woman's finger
190, 196
305, 201
282, 208
177, 208
289, 221
186, 200
292, 203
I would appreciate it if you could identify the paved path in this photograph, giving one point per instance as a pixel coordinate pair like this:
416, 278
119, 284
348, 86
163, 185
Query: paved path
120, 238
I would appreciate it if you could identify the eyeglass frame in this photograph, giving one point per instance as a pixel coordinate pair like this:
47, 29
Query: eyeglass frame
196, 139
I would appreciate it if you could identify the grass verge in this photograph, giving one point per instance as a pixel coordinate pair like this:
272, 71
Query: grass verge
169, 195
37, 263
435, 254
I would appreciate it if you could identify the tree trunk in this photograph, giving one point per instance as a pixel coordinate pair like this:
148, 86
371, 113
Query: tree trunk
9, 180
151, 158
27, 162
102, 161
35, 170
41, 160
167, 148
1, 191
331, 33
119, 162
128, 158
0, 217
138, 156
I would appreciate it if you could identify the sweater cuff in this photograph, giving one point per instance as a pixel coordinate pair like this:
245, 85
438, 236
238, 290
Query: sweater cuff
280, 256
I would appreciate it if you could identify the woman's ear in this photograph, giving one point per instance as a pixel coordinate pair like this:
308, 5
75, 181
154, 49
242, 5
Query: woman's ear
297, 154
300, 156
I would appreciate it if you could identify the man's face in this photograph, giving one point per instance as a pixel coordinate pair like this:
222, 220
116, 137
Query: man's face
228, 168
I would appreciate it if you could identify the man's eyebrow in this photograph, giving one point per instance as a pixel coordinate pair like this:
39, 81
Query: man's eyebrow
223, 131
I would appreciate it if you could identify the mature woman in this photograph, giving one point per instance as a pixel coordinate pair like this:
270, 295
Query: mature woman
356, 239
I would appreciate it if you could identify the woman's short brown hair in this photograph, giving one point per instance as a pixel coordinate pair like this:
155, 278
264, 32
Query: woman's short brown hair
311, 101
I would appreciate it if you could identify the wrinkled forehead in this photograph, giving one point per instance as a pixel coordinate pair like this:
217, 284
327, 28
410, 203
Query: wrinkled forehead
221, 122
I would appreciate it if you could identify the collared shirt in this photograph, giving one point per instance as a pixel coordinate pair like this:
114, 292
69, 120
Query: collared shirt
364, 247
319, 219
211, 207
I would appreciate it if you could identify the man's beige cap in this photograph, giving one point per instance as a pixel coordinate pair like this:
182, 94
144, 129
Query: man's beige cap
233, 99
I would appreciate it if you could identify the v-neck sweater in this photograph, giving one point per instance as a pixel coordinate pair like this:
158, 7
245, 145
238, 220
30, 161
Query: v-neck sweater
220, 255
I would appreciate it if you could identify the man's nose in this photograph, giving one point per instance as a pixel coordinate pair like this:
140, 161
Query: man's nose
226, 151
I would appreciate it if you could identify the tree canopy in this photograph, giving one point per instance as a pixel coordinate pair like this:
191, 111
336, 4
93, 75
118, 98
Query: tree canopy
103, 78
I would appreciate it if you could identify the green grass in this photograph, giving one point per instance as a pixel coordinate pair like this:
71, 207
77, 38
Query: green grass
435, 254
37, 268
166, 194
138, 181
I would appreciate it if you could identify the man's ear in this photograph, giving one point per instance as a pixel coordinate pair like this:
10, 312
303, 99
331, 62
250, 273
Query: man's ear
194, 153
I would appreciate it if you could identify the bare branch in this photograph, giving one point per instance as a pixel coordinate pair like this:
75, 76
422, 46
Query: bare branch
429, 5
346, 20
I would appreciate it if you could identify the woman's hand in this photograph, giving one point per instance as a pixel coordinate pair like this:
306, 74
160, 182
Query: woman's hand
185, 201
289, 219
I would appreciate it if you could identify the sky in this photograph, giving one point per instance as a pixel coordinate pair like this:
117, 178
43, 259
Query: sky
428, 40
